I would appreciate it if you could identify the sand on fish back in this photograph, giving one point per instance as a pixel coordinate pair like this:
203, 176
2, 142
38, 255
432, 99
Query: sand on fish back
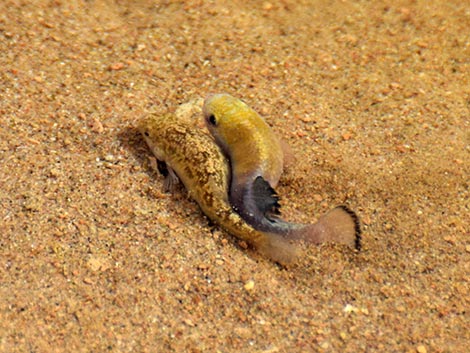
373, 98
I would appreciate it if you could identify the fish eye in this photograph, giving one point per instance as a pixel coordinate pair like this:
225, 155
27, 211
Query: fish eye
212, 120
146, 133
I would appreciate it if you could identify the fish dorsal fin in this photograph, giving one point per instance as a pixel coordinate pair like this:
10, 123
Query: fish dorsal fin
265, 198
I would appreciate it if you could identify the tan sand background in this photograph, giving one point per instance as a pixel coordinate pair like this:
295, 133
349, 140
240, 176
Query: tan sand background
373, 97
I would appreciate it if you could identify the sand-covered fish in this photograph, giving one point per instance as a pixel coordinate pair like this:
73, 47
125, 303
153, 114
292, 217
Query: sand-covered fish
256, 160
194, 158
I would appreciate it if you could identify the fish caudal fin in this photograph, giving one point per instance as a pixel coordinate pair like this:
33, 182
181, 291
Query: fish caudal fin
340, 225
279, 249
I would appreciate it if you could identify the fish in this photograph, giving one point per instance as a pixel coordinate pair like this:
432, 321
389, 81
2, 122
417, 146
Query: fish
187, 153
256, 159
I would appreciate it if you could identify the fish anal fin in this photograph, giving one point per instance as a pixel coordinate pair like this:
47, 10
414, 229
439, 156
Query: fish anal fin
265, 197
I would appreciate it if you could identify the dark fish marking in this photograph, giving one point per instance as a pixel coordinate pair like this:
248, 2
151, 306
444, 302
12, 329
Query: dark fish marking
161, 166
357, 226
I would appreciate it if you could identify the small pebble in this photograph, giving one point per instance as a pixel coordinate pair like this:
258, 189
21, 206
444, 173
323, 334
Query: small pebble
116, 66
421, 349
249, 285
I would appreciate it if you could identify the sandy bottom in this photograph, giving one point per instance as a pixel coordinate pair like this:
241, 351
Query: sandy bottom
374, 101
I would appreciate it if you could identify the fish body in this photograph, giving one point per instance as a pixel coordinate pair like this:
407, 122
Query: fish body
256, 160
200, 165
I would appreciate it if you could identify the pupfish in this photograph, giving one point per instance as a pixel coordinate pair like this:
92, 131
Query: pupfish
256, 159
192, 156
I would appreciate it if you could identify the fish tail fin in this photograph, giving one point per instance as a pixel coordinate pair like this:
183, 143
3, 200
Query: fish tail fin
279, 249
340, 225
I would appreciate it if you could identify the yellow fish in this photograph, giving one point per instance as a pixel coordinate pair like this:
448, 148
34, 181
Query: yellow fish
256, 160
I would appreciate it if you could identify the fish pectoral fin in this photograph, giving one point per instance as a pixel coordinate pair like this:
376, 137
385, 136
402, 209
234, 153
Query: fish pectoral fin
266, 198
171, 180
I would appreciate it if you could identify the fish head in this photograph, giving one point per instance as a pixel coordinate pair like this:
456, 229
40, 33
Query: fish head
229, 120
154, 135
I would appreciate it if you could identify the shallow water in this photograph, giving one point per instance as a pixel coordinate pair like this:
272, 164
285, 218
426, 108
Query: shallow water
373, 100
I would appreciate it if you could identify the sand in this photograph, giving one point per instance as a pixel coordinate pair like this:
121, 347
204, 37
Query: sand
374, 99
